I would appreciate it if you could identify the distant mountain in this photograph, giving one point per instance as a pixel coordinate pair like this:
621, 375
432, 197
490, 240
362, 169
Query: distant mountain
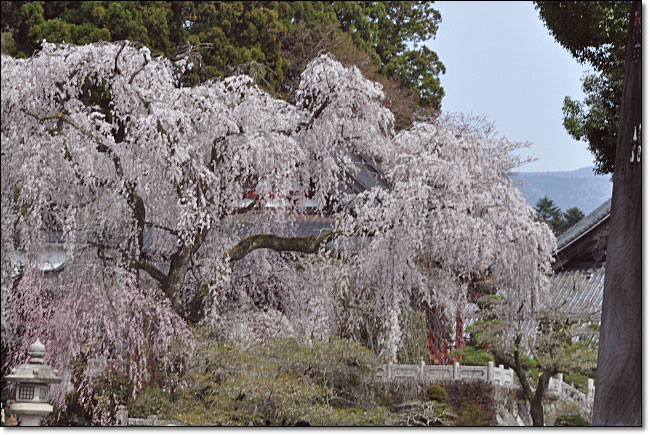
580, 188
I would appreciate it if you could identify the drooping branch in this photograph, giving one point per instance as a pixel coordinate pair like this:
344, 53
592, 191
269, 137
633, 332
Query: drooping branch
152, 270
307, 245
171, 231
101, 147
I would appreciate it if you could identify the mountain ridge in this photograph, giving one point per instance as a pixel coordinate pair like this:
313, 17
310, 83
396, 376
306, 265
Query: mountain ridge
580, 188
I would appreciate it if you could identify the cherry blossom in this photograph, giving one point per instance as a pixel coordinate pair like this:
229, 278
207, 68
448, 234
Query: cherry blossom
162, 198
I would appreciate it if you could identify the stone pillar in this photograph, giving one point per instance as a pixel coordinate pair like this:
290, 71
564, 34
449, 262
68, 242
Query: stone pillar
560, 379
122, 416
422, 371
490, 372
389, 370
456, 371
590, 391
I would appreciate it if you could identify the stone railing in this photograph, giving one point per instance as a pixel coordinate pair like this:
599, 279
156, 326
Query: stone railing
123, 419
428, 374
565, 391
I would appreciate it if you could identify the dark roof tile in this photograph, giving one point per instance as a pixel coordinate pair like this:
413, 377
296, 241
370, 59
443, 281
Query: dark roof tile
584, 225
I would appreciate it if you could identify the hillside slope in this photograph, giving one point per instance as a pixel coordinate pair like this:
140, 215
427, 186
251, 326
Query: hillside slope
580, 188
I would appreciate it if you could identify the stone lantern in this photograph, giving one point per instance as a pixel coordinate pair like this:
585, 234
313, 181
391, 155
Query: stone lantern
32, 386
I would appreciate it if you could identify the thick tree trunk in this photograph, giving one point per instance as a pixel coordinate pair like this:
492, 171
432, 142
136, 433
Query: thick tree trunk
172, 282
535, 398
618, 391
307, 245
536, 403
460, 332
171, 286
537, 411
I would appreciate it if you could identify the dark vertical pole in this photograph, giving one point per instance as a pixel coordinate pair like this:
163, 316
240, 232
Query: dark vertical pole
618, 390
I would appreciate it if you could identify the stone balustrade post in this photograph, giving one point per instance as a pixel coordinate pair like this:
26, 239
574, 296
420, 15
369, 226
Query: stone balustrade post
422, 371
490, 372
122, 416
456, 371
389, 370
590, 391
560, 378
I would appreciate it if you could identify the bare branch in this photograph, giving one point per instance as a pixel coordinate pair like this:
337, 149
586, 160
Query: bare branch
152, 270
162, 227
307, 245
117, 69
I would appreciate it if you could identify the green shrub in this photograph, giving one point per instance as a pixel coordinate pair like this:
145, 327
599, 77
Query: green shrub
283, 383
571, 420
579, 380
489, 300
531, 367
472, 414
436, 392
481, 393
472, 356
150, 401
70, 414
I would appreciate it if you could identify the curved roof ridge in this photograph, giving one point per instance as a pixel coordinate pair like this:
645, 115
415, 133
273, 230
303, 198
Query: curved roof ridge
584, 225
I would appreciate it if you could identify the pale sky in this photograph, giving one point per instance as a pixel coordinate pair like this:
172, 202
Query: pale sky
502, 62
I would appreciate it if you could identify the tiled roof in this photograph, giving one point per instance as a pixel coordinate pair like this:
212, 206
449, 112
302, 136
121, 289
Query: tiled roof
299, 226
368, 175
579, 291
591, 220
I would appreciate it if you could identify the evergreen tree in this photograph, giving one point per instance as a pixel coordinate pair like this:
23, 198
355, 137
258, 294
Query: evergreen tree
260, 38
550, 213
595, 33
572, 216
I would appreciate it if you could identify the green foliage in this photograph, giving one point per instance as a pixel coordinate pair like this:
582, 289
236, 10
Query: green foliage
284, 383
579, 380
86, 22
595, 120
70, 414
413, 347
472, 356
437, 393
269, 40
151, 401
571, 420
472, 414
550, 213
103, 393
109, 390
475, 399
531, 367
572, 216
594, 33
489, 300
390, 29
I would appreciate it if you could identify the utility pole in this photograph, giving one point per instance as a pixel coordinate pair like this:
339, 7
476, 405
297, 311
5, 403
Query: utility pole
618, 383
